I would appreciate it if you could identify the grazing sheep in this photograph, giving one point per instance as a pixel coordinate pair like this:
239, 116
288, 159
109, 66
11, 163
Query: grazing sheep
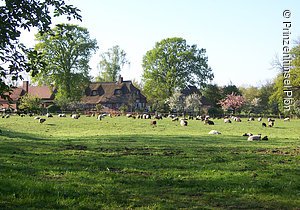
99, 117
128, 115
254, 138
265, 138
75, 116
271, 120
175, 119
41, 120
259, 119
286, 119
183, 122
247, 134
227, 120
198, 117
209, 122
146, 116
251, 119
153, 123
22, 115
214, 132
271, 124
237, 119
37, 118
49, 115
61, 115
158, 117
6, 116
264, 125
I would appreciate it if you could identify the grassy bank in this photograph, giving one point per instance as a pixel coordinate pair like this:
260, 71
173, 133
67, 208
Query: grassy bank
126, 163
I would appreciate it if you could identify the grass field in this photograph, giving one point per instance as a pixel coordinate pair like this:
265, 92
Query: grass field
121, 163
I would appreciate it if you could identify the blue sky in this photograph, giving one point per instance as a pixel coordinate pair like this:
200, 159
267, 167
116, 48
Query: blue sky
241, 37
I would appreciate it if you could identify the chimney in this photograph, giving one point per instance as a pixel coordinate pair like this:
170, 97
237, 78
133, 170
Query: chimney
25, 86
120, 79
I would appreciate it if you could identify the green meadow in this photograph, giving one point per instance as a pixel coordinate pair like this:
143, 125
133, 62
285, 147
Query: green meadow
125, 163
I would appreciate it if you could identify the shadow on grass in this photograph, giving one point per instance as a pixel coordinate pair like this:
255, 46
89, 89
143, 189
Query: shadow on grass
150, 171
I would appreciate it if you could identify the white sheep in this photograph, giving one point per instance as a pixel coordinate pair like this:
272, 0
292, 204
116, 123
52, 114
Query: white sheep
49, 115
61, 115
75, 116
183, 122
227, 120
214, 132
41, 120
254, 138
286, 119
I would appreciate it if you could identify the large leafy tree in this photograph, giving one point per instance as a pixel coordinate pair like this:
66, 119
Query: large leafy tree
66, 50
173, 64
213, 94
111, 63
19, 15
289, 78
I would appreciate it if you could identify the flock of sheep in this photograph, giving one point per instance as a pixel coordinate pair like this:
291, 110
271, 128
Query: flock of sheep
182, 121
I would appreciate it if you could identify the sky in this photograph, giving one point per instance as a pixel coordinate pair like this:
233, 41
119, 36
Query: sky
241, 38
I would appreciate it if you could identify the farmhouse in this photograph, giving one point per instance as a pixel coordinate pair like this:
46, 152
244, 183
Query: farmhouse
45, 93
112, 95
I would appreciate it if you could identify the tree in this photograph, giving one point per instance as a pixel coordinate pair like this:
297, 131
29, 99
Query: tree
16, 16
30, 103
173, 64
66, 51
193, 102
213, 94
177, 102
252, 100
229, 89
232, 102
287, 80
265, 93
111, 63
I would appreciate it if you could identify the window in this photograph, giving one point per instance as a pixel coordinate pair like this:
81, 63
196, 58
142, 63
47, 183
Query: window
94, 92
118, 92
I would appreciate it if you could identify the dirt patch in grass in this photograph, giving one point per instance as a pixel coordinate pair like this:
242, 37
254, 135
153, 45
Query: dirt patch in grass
143, 151
280, 151
75, 147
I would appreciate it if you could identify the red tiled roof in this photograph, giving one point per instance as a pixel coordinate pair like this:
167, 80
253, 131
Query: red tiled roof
42, 92
16, 94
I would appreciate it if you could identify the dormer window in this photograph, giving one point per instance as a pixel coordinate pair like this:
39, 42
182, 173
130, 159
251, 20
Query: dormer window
94, 92
118, 92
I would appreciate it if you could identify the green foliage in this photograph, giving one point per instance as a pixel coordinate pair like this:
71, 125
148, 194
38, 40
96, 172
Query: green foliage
229, 89
30, 103
213, 94
99, 107
121, 163
173, 64
53, 108
62, 102
16, 16
123, 108
288, 78
111, 64
66, 50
